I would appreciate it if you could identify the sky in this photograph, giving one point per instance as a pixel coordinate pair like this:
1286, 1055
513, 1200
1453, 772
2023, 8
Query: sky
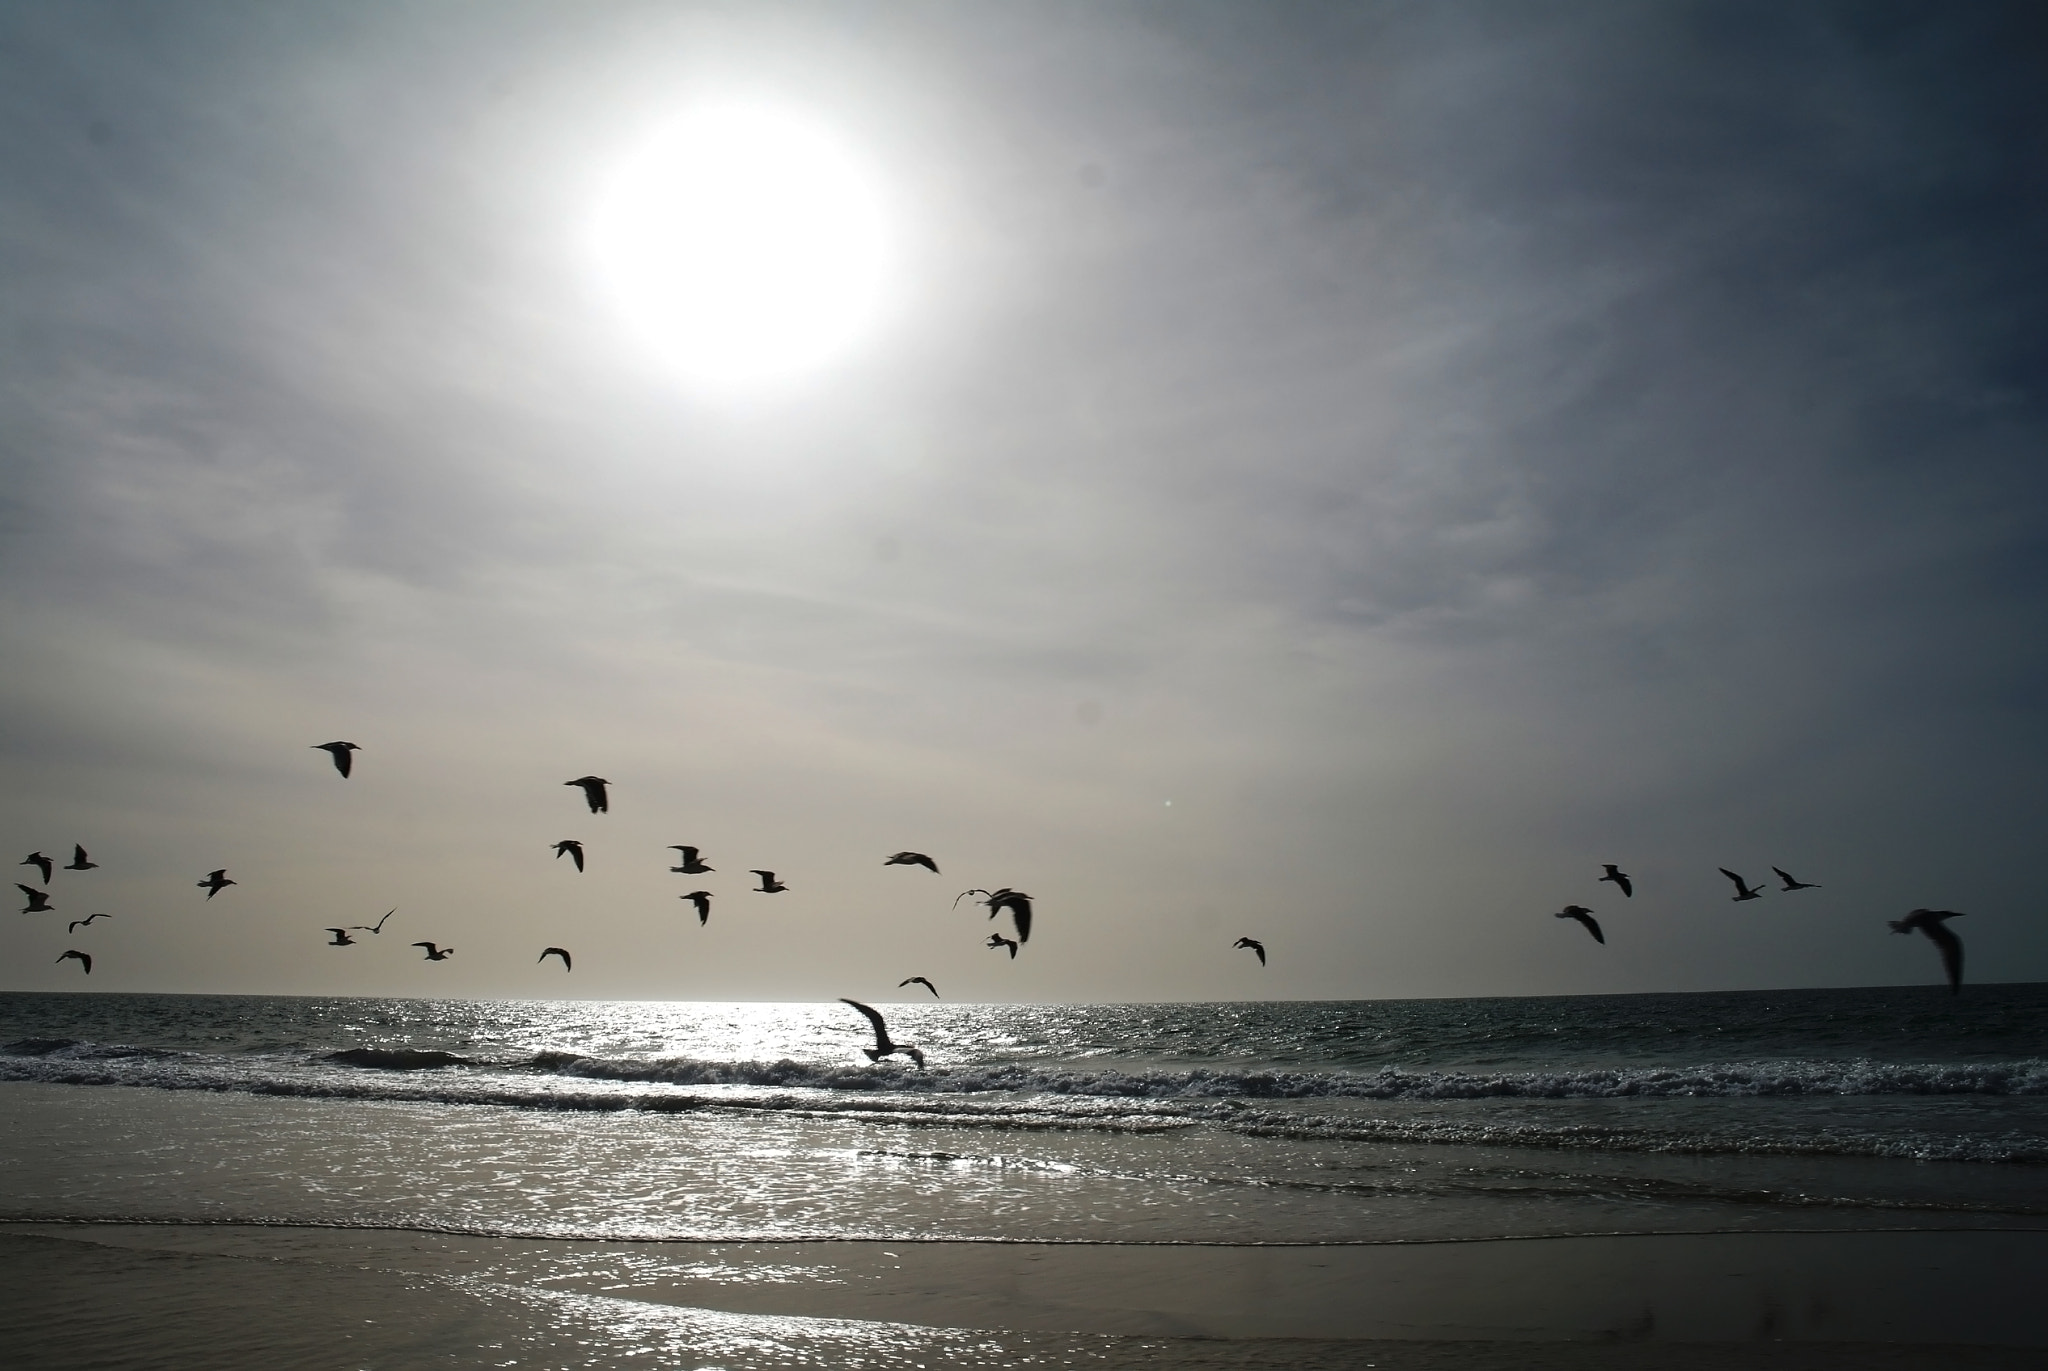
1336, 474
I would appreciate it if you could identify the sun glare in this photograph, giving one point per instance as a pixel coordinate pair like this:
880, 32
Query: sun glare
744, 244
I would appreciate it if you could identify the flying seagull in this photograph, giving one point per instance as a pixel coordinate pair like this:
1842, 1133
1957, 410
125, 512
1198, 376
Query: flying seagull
341, 938
883, 1047
1743, 891
1934, 923
594, 792
38, 900
919, 980
215, 882
692, 864
998, 940
769, 885
339, 751
1016, 901
79, 861
436, 954
561, 952
77, 924
1793, 882
377, 927
1584, 916
1620, 878
570, 847
913, 859
81, 958
701, 899
41, 863
1255, 945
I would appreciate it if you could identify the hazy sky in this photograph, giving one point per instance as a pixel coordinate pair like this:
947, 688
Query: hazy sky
1332, 473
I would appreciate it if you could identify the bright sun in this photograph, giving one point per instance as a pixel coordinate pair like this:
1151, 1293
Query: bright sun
744, 244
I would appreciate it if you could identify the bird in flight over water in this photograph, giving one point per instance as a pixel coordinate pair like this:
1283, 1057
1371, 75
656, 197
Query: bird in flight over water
340, 752
693, 865
340, 938
1793, 882
1620, 878
1584, 916
1255, 945
377, 927
1016, 901
77, 924
883, 1047
561, 952
769, 885
1743, 891
998, 940
215, 882
81, 958
919, 980
571, 848
701, 899
79, 861
1934, 923
594, 792
913, 859
436, 954
38, 900
41, 863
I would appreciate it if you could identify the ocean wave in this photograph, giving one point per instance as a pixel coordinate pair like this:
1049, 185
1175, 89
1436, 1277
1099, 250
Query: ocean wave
397, 1058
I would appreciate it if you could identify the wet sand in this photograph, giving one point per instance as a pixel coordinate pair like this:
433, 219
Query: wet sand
76, 1296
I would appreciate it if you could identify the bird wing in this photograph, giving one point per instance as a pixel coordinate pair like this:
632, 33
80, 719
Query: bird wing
27, 890
344, 760
1592, 926
1951, 950
1622, 881
428, 946
561, 952
1020, 914
343, 930
1735, 878
965, 893
78, 853
881, 1028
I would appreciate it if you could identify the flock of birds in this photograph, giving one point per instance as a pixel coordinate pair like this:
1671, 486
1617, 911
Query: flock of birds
1932, 923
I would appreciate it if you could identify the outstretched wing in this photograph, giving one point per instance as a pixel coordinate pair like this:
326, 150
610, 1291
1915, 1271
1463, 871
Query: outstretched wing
965, 893
1621, 879
1735, 878
1951, 952
1020, 914
881, 1027
1592, 927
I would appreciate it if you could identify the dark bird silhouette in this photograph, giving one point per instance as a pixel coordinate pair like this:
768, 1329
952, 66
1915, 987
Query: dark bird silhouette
377, 927
1742, 891
79, 861
913, 859
340, 752
1016, 901
693, 865
769, 885
1934, 923
1584, 916
74, 955
883, 1047
561, 952
1255, 945
46, 865
38, 900
571, 848
1793, 882
340, 938
436, 954
998, 940
216, 881
701, 899
1620, 878
919, 980
77, 924
594, 792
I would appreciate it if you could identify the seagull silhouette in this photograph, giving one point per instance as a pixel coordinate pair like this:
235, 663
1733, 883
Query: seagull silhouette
1934, 923
436, 954
572, 848
919, 980
377, 927
701, 899
1743, 891
1792, 882
883, 1047
1016, 901
340, 938
561, 952
1620, 878
1584, 916
81, 958
216, 881
769, 885
77, 924
692, 865
38, 900
913, 859
998, 940
41, 863
594, 792
1255, 945
339, 751
79, 861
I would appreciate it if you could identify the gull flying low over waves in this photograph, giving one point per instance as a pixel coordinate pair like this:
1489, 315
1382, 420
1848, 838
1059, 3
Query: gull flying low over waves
693, 865
998, 940
1620, 878
1016, 901
38, 900
594, 792
1255, 945
79, 861
1934, 923
377, 927
561, 952
436, 954
913, 859
1743, 890
769, 885
571, 848
339, 751
883, 1047
77, 924
216, 881
46, 865
81, 958
701, 899
1793, 882
340, 938
1584, 916
918, 980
